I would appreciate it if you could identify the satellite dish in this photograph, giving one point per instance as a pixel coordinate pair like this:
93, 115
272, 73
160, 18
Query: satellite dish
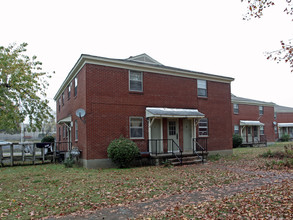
80, 112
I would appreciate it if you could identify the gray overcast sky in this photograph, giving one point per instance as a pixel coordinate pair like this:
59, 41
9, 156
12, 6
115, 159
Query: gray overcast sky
207, 36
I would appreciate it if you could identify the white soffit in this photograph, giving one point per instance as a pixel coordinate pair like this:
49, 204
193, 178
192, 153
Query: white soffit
65, 120
251, 123
282, 125
152, 112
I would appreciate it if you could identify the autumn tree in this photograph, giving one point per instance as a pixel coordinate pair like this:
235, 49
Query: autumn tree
23, 87
255, 9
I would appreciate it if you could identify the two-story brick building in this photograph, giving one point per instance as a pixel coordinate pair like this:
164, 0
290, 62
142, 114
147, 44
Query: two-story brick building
284, 119
156, 106
253, 120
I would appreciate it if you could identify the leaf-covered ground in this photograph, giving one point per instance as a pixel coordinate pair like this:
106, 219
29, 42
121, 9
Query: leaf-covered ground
52, 190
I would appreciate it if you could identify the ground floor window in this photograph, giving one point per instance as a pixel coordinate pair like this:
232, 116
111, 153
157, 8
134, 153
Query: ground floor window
76, 130
236, 129
262, 131
136, 127
203, 127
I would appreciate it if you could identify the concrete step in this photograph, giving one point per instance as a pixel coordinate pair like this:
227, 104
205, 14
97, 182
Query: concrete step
185, 160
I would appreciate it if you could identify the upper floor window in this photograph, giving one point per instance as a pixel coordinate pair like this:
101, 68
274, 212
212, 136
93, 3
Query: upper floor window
203, 127
75, 86
135, 81
59, 104
202, 88
236, 129
236, 108
261, 110
69, 90
62, 98
136, 127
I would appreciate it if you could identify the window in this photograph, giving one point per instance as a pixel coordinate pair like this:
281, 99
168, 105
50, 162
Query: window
261, 110
59, 133
64, 131
76, 130
59, 104
236, 129
275, 115
236, 108
172, 127
75, 86
276, 129
248, 130
135, 81
136, 127
69, 90
62, 98
261, 130
202, 88
203, 127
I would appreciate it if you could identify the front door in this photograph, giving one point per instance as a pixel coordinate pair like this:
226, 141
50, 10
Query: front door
255, 134
156, 139
173, 134
187, 135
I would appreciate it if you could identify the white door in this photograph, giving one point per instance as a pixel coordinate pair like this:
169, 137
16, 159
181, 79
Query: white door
156, 138
187, 135
173, 134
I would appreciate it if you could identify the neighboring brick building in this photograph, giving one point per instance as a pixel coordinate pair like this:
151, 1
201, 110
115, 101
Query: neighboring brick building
284, 118
141, 99
253, 120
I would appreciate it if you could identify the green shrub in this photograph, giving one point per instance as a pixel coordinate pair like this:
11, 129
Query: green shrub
68, 163
237, 140
122, 152
285, 137
48, 139
214, 157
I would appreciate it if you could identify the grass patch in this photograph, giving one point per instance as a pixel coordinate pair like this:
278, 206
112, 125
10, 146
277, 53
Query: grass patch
28, 192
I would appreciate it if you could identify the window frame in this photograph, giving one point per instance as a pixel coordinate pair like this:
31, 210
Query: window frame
236, 109
261, 130
129, 81
75, 86
76, 130
261, 110
236, 126
69, 91
203, 127
142, 127
200, 88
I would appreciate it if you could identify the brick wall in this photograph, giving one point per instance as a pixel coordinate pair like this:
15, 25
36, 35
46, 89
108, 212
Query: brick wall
104, 93
251, 113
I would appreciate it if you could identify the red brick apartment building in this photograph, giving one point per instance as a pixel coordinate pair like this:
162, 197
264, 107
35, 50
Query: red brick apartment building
141, 99
284, 118
253, 120
260, 122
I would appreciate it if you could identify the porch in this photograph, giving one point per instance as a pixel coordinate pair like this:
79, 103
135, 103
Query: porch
252, 133
172, 134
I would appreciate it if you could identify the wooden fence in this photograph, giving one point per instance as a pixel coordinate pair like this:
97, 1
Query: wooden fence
13, 153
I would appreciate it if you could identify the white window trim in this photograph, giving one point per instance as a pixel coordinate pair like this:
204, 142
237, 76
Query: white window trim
142, 126
199, 135
237, 109
75, 130
129, 72
206, 88
236, 126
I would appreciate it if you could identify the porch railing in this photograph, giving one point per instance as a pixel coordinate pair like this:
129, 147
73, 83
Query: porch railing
200, 145
165, 146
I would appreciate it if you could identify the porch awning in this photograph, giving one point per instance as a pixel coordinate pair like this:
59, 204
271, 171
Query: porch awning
282, 125
172, 113
65, 120
251, 123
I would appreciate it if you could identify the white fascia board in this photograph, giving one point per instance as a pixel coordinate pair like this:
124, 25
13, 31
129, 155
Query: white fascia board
282, 125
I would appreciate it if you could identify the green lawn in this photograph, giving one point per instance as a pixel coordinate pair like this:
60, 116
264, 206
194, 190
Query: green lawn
46, 190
